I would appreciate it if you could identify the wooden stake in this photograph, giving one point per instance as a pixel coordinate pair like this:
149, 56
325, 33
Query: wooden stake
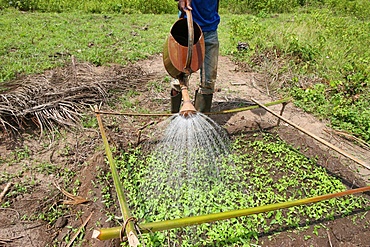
79, 230
328, 144
7, 186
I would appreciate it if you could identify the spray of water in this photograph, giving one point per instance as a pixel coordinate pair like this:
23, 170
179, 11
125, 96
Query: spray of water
188, 172
188, 153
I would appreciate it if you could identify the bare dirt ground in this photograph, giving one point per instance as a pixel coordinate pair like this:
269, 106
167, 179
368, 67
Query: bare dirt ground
79, 156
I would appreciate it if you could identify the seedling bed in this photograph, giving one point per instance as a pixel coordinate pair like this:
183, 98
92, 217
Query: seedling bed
261, 170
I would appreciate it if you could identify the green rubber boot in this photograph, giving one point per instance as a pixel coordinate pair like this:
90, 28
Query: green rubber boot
203, 102
176, 98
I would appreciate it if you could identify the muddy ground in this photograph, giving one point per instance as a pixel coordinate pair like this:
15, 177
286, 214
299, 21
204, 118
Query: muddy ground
78, 157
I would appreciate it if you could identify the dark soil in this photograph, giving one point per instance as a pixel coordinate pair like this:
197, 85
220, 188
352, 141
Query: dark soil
76, 159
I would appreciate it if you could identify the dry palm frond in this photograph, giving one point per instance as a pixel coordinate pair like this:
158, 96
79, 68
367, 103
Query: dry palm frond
75, 200
58, 97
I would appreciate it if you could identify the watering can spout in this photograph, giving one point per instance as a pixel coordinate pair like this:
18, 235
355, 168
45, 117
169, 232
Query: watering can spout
187, 109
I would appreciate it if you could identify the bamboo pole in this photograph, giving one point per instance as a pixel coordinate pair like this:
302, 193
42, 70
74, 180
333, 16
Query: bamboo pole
110, 233
248, 108
280, 101
134, 114
328, 144
130, 228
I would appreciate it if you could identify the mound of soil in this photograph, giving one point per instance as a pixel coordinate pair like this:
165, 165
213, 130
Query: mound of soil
76, 158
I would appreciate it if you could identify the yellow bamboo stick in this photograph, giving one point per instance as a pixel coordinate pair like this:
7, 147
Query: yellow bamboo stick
110, 233
248, 108
130, 228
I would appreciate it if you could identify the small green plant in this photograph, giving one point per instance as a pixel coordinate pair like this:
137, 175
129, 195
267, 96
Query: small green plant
155, 86
128, 101
307, 237
89, 121
53, 213
46, 168
21, 154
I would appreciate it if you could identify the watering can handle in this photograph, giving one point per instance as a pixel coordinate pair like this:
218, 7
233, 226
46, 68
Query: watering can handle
187, 68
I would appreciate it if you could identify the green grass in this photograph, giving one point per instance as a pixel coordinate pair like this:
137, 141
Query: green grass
260, 171
321, 57
53, 38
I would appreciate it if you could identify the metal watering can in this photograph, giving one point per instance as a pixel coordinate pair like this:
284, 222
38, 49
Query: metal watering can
183, 54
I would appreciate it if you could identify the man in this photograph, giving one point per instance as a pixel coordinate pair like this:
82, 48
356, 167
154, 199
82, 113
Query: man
205, 14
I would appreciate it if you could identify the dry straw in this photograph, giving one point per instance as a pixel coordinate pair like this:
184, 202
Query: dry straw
58, 97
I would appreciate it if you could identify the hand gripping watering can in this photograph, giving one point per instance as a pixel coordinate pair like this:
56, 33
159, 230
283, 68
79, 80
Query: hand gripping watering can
183, 54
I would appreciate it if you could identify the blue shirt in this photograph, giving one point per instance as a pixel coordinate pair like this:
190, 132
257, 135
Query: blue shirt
205, 14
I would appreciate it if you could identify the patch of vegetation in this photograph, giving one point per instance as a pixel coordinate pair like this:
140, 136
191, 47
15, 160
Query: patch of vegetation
260, 6
319, 59
128, 100
89, 121
258, 172
54, 38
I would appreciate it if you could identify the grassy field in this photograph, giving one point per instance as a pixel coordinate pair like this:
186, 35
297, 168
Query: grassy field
98, 39
319, 57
